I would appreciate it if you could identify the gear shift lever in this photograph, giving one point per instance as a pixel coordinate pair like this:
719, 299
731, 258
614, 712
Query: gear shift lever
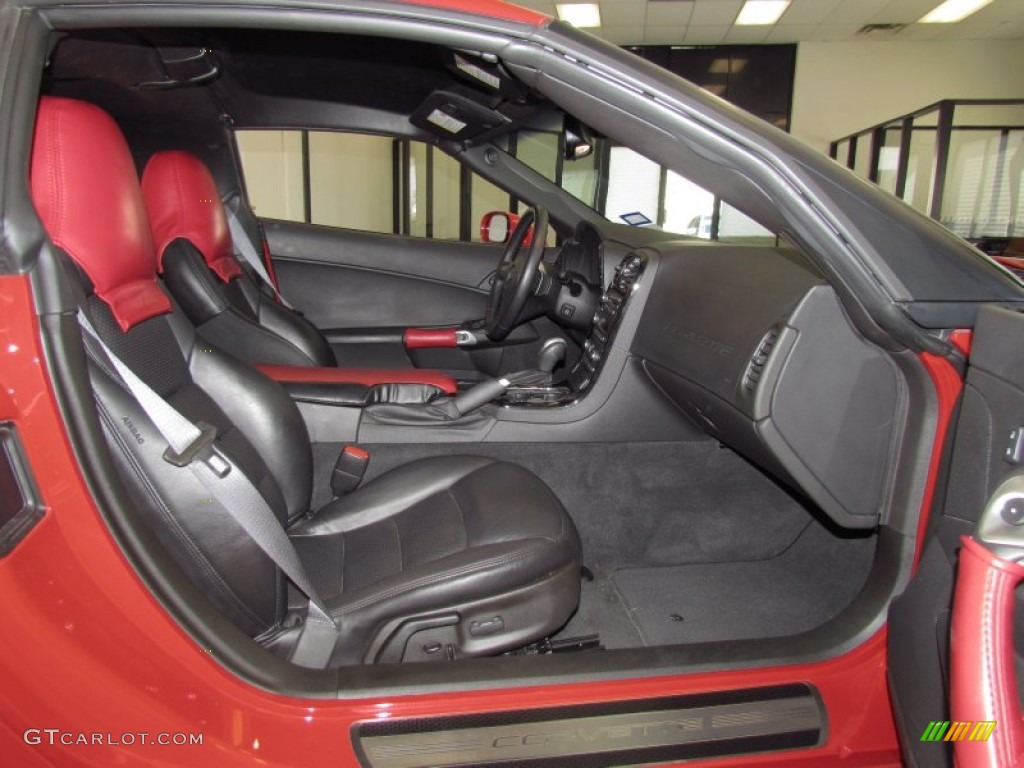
552, 352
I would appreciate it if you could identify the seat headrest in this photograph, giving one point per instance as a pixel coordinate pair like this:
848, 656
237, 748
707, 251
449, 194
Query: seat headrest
183, 202
86, 191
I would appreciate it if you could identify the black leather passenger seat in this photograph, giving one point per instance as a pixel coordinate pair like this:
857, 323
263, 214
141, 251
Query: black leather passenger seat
440, 558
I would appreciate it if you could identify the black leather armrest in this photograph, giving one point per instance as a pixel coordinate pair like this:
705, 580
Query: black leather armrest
342, 394
350, 395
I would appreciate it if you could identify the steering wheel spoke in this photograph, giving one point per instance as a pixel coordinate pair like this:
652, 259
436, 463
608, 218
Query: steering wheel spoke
513, 278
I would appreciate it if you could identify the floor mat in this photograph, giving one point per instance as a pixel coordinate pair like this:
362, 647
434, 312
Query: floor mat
800, 589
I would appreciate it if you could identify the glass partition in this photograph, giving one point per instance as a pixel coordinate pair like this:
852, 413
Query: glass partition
961, 162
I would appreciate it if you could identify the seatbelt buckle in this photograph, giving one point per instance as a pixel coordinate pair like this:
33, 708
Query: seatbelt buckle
349, 470
201, 448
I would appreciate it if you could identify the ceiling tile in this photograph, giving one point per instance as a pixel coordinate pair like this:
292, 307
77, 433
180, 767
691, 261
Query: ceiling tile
710, 13
623, 14
829, 32
664, 35
544, 6
709, 22
855, 12
626, 35
747, 35
966, 31
1011, 30
903, 11
809, 11
790, 33
668, 14
1000, 11
920, 32
706, 35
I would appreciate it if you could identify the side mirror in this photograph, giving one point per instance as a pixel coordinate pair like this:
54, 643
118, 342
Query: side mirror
497, 226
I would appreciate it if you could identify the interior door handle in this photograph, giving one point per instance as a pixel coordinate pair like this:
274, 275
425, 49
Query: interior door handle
983, 678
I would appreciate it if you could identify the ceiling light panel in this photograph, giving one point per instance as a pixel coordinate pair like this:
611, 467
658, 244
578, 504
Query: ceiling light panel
761, 12
953, 11
579, 14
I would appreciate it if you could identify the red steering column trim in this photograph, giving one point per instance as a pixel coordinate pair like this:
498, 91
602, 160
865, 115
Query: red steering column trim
426, 338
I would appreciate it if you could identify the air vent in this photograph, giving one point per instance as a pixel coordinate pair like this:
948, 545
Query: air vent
758, 360
880, 31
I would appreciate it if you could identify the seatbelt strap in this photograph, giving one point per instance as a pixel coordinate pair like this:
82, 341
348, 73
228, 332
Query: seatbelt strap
192, 446
244, 247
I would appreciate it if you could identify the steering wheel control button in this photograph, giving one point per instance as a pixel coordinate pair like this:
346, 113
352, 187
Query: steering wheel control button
1013, 511
1014, 451
567, 311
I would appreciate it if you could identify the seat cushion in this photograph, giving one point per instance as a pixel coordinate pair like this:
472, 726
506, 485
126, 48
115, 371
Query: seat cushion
447, 536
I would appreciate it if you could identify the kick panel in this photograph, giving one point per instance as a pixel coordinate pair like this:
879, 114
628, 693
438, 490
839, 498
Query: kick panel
719, 724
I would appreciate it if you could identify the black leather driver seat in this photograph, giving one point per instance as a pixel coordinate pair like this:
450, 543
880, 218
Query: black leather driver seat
442, 557
224, 299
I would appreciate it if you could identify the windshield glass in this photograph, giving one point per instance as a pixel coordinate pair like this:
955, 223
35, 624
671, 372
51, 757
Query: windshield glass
627, 188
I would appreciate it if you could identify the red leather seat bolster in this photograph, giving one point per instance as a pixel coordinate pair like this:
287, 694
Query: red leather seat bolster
183, 202
86, 191
226, 268
367, 376
983, 678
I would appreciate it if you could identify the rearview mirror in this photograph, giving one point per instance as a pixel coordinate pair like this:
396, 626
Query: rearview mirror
579, 142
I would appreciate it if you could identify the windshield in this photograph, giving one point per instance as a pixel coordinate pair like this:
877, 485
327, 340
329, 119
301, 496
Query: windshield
625, 187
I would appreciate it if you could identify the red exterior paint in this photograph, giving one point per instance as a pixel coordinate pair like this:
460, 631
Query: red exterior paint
86, 648
983, 677
948, 386
428, 338
489, 8
367, 376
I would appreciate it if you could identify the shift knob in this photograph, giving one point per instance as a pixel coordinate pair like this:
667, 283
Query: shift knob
552, 352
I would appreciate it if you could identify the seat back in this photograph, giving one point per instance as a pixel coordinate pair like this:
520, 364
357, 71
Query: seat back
86, 191
221, 297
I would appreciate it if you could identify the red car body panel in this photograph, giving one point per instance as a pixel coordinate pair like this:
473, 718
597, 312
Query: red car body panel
87, 647
489, 8
948, 386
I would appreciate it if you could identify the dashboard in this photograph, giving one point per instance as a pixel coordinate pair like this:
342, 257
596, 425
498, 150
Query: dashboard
753, 346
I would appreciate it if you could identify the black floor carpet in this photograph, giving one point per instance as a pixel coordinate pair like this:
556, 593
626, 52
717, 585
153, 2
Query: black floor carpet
636, 504
687, 541
795, 591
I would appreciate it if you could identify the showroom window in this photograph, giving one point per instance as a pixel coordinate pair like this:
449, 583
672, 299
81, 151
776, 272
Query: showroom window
365, 182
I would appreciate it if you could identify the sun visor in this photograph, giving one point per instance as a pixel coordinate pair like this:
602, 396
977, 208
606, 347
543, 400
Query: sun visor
486, 74
455, 117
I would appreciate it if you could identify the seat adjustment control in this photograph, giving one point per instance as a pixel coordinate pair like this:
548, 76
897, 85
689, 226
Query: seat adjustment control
485, 627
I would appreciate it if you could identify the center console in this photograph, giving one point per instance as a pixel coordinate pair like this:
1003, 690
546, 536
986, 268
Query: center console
595, 347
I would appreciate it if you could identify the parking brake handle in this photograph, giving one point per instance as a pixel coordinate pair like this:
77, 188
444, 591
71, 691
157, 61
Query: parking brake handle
491, 389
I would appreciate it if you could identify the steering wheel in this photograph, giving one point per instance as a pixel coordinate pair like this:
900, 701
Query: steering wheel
513, 280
